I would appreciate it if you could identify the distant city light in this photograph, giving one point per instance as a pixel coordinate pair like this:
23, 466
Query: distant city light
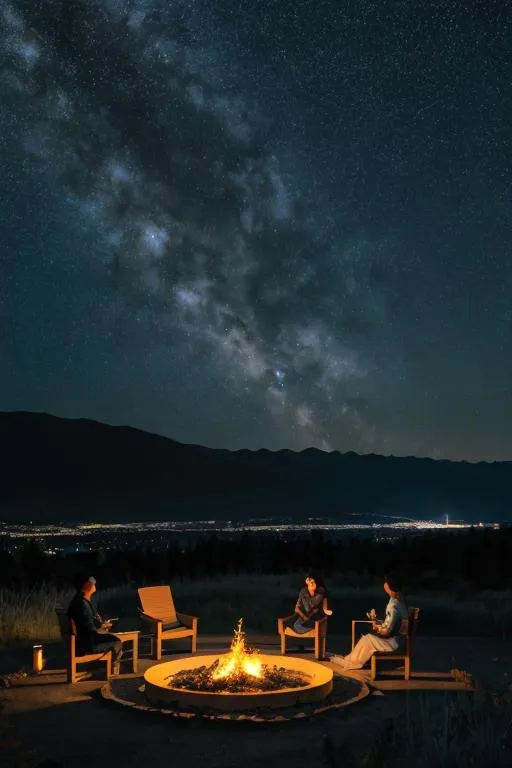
30, 530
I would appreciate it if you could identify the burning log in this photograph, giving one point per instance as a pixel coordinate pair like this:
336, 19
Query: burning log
239, 671
272, 679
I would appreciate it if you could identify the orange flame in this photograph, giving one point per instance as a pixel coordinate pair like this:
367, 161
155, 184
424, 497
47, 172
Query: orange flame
239, 659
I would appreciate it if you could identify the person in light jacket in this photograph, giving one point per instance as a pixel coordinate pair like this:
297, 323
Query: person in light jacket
384, 636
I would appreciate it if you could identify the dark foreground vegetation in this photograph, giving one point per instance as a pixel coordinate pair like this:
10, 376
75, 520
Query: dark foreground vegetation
436, 731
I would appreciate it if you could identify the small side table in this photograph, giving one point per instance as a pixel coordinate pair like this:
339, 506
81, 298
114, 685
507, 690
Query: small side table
354, 622
133, 636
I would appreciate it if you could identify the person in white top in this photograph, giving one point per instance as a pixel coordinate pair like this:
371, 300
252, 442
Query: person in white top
384, 635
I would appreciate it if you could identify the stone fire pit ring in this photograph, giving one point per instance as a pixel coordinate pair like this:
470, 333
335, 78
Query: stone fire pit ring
128, 692
160, 694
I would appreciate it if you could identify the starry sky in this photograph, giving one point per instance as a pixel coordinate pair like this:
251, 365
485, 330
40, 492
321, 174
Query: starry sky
261, 223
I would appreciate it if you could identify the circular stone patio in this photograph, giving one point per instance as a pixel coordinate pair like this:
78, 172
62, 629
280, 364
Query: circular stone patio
130, 693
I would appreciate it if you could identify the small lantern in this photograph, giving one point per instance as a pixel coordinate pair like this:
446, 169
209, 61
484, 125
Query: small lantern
37, 659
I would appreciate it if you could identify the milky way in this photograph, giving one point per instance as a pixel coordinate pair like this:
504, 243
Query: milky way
260, 227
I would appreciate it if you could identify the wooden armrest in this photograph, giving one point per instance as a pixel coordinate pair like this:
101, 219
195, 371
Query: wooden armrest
281, 620
321, 626
358, 621
186, 620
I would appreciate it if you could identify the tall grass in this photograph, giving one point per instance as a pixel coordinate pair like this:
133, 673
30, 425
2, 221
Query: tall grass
444, 731
27, 616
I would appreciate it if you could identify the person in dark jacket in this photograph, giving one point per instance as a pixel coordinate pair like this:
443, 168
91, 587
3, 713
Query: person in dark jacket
311, 604
92, 631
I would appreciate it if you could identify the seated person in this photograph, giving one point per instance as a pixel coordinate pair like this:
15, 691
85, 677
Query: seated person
311, 605
88, 622
384, 635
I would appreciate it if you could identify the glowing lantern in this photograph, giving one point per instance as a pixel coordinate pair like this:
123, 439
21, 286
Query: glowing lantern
37, 658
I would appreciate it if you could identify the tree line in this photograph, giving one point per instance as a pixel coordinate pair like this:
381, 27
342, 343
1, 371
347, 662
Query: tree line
471, 559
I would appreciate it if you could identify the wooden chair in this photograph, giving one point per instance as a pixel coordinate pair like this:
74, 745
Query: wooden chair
68, 634
318, 632
157, 609
408, 630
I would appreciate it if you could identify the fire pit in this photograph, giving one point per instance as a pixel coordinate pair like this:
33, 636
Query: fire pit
238, 680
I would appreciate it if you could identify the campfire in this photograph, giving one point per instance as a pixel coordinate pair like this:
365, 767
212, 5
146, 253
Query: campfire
240, 680
241, 670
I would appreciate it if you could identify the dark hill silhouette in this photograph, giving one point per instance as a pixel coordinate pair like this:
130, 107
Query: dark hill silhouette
66, 469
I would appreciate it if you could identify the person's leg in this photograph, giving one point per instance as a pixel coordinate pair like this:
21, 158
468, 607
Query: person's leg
364, 649
301, 627
110, 643
291, 621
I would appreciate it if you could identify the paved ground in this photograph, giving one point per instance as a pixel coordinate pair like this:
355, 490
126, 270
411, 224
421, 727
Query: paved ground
44, 718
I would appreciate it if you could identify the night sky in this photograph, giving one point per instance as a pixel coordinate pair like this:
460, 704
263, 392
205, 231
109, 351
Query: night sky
261, 223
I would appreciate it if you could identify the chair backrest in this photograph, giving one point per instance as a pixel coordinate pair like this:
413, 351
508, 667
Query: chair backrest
67, 631
404, 627
66, 625
414, 614
158, 602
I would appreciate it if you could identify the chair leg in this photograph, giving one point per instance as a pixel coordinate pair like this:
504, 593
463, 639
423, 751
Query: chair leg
283, 643
158, 648
373, 670
135, 652
193, 644
407, 669
108, 661
70, 659
318, 654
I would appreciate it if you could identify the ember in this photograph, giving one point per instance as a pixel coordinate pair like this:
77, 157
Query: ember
238, 671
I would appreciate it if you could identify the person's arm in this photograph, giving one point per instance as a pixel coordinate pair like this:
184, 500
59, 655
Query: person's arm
325, 607
387, 628
84, 617
298, 608
98, 618
316, 601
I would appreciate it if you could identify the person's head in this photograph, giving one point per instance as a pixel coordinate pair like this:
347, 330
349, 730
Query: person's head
314, 581
392, 584
86, 585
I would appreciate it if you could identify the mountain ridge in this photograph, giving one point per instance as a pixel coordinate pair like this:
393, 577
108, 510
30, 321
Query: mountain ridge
309, 450
51, 463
